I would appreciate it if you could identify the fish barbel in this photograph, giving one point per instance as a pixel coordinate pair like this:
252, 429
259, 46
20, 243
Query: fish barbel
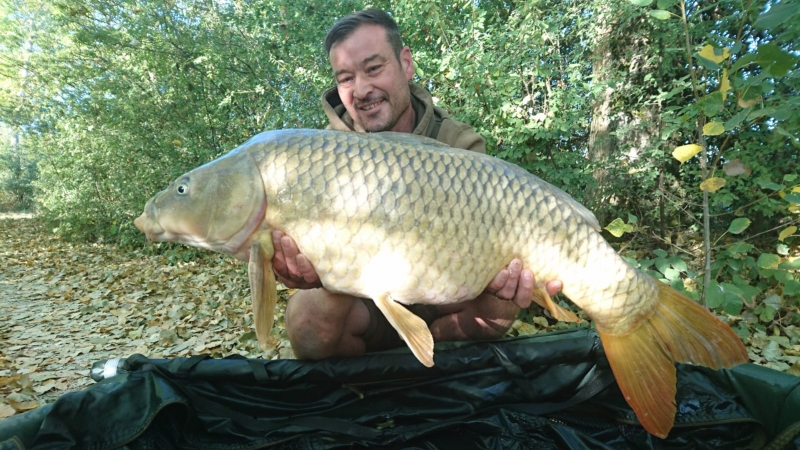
400, 219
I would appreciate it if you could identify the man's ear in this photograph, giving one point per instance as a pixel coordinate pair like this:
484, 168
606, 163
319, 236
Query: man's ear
407, 63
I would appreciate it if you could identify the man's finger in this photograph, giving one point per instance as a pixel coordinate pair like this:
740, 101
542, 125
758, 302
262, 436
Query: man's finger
553, 287
524, 290
307, 270
509, 290
498, 282
278, 260
290, 253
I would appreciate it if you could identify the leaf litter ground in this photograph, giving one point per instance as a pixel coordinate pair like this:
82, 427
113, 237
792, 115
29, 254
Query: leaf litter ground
65, 306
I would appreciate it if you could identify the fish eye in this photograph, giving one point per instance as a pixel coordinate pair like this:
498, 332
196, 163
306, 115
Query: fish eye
182, 189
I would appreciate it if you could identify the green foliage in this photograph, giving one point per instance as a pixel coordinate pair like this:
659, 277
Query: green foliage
513, 72
669, 269
740, 107
761, 285
133, 94
17, 173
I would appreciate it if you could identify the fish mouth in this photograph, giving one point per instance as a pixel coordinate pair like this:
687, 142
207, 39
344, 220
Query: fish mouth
147, 225
155, 232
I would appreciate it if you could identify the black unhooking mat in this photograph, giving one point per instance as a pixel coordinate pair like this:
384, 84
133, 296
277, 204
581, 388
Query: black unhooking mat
553, 390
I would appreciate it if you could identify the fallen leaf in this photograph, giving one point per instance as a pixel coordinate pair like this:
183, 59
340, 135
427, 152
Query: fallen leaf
772, 351
44, 388
21, 402
6, 411
526, 329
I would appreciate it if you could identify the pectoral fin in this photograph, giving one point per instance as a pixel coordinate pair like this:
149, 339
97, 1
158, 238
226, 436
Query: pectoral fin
411, 328
542, 299
263, 288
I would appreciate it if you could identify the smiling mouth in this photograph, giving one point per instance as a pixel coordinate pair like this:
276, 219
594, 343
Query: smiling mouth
370, 106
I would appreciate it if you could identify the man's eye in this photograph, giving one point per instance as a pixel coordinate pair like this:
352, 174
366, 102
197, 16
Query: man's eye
373, 69
344, 80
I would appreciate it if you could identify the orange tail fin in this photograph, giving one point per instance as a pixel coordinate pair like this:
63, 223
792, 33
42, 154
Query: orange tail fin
679, 330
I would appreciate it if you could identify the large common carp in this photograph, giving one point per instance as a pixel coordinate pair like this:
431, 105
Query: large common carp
399, 219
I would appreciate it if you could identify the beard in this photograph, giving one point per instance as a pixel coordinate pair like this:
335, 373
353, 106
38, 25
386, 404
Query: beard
376, 123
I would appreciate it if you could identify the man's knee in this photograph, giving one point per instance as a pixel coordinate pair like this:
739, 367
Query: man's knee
316, 323
310, 331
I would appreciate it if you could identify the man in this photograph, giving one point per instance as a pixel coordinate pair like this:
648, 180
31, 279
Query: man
373, 93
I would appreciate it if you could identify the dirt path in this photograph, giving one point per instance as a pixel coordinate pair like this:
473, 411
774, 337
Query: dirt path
64, 307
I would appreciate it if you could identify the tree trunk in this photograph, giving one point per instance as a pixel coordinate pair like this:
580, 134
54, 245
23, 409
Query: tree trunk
600, 139
620, 137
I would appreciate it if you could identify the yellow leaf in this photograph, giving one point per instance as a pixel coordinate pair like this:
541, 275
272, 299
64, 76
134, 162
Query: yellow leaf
793, 207
685, 152
748, 103
617, 227
788, 231
724, 83
712, 184
795, 189
6, 411
176, 143
713, 129
710, 53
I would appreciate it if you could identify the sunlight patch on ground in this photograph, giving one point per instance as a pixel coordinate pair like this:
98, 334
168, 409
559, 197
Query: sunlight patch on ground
7, 215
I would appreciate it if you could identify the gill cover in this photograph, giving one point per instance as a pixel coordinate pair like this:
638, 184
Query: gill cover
216, 206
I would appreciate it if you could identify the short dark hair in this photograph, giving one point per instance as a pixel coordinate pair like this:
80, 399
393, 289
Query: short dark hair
345, 27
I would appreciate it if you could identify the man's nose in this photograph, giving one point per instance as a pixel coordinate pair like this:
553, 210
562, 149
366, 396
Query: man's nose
363, 87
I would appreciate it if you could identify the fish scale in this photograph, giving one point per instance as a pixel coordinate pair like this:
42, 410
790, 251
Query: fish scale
402, 219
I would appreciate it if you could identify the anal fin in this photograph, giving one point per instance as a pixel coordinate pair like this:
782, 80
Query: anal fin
412, 329
542, 298
263, 287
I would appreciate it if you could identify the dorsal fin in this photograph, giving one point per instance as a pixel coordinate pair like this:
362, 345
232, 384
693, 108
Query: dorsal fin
411, 139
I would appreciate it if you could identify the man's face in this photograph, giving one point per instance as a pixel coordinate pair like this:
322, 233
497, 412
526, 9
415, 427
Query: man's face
372, 84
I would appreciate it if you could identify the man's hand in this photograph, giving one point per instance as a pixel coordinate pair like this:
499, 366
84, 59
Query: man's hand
292, 268
515, 284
